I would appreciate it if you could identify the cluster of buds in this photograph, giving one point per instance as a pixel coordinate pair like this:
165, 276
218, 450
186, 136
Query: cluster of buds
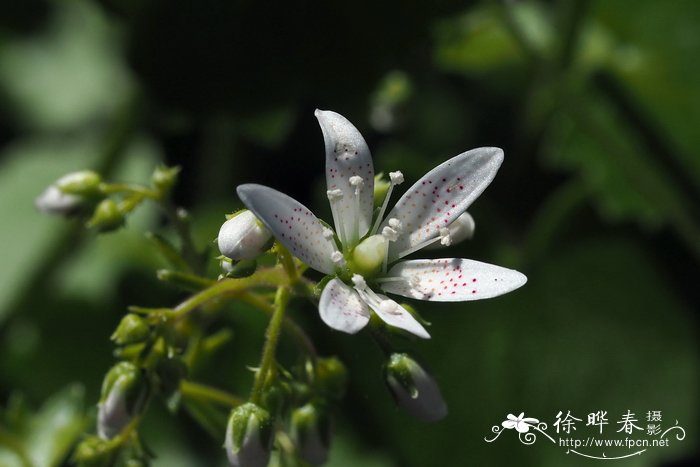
85, 195
295, 408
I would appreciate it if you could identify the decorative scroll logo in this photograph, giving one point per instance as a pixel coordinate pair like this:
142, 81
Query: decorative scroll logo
625, 442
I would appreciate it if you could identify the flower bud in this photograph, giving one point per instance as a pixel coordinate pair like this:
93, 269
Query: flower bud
83, 183
249, 436
311, 433
69, 193
164, 178
414, 389
132, 329
93, 451
107, 216
243, 236
369, 255
123, 395
331, 377
460, 229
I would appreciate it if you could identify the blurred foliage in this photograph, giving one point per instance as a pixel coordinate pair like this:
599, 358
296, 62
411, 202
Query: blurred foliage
596, 104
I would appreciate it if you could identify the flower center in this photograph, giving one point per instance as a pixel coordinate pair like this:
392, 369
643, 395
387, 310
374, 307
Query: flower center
369, 255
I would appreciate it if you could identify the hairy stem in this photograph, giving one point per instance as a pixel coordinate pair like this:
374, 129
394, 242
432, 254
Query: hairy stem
271, 339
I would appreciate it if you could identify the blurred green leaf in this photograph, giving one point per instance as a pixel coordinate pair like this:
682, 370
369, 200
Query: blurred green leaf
48, 435
479, 40
70, 74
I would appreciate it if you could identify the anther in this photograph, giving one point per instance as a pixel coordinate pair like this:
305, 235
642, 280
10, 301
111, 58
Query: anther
337, 258
396, 178
327, 233
359, 282
388, 306
334, 194
445, 238
390, 234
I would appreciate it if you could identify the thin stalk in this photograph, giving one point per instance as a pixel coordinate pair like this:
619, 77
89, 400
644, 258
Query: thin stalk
203, 392
270, 347
264, 277
290, 326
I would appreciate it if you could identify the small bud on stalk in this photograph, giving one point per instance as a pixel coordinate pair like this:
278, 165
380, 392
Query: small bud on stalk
107, 216
311, 433
414, 389
243, 237
249, 436
132, 329
69, 193
123, 396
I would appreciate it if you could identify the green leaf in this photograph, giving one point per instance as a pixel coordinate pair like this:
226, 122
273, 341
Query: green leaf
48, 435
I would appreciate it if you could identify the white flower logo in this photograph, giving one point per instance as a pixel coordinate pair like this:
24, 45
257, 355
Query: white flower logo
363, 252
521, 423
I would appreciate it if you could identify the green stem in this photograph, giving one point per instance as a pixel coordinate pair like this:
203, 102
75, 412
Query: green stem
263, 277
111, 188
287, 261
272, 337
203, 392
289, 325
180, 220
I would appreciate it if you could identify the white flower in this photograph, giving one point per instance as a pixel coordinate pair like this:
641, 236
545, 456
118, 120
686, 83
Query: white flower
521, 424
367, 253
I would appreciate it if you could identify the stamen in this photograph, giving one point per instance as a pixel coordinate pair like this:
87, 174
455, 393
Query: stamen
390, 234
419, 246
359, 282
333, 197
396, 224
337, 258
445, 238
357, 182
354, 236
389, 306
396, 179
327, 233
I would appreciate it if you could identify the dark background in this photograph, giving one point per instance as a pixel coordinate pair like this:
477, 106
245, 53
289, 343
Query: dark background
596, 104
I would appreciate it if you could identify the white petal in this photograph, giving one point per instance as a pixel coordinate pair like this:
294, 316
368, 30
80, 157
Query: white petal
438, 198
398, 317
341, 308
451, 280
509, 424
292, 224
347, 155
522, 427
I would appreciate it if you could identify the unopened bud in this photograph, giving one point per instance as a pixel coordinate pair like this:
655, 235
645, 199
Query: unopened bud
460, 229
123, 395
83, 183
107, 216
239, 269
69, 193
132, 329
243, 237
93, 451
331, 377
249, 436
164, 178
414, 389
311, 433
